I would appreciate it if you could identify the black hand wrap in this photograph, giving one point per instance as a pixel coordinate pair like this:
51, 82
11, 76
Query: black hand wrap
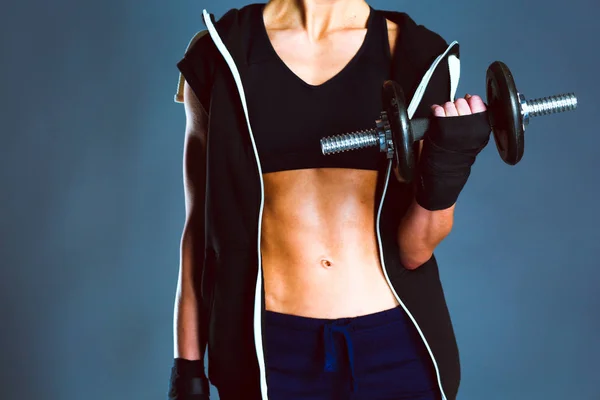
449, 150
188, 381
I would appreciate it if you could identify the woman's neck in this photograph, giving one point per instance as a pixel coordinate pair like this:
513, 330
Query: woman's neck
316, 17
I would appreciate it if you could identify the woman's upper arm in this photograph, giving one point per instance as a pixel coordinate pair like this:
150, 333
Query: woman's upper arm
194, 154
197, 68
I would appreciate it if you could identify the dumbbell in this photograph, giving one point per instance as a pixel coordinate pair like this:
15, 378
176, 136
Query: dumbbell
395, 134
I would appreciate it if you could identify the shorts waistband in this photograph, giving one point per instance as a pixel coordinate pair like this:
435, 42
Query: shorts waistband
367, 321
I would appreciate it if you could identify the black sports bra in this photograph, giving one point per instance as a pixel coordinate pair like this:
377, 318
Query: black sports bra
289, 116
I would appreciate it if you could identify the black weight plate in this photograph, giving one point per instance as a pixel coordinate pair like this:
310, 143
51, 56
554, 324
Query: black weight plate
505, 113
395, 107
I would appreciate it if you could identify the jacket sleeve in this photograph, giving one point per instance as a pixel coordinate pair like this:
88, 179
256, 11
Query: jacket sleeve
441, 87
417, 49
197, 69
444, 80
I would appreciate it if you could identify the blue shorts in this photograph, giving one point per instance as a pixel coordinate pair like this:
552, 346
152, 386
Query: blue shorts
373, 357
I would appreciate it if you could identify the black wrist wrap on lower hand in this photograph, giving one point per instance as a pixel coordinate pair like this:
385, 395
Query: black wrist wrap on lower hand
188, 381
450, 148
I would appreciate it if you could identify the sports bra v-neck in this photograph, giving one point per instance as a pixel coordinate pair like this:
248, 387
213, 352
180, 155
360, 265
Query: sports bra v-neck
289, 116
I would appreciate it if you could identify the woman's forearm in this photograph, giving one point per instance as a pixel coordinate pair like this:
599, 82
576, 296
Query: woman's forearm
186, 329
420, 232
186, 323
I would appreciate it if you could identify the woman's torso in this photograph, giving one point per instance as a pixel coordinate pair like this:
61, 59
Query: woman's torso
319, 248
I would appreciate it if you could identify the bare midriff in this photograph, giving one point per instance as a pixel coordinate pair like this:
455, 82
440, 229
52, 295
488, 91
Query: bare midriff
320, 254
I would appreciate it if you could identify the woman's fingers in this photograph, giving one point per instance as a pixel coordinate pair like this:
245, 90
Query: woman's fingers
450, 109
468, 105
462, 107
438, 110
475, 103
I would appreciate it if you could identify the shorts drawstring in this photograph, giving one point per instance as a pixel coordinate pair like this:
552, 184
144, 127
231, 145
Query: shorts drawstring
331, 363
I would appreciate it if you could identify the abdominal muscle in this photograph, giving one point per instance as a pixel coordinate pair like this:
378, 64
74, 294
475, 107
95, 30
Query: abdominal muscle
319, 248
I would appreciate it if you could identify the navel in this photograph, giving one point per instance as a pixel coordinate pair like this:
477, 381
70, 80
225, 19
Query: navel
325, 263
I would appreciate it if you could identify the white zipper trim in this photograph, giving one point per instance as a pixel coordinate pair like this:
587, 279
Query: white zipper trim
454, 75
454, 66
258, 290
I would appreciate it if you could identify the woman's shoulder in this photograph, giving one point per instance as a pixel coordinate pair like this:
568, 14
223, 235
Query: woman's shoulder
414, 37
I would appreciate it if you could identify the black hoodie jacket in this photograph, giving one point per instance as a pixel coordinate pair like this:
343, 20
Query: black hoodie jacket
232, 291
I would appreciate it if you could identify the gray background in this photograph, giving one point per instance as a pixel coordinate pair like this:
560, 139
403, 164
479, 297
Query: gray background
92, 201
